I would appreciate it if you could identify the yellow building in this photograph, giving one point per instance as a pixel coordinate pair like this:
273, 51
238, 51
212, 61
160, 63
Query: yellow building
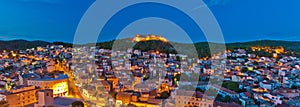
279, 50
97, 97
59, 85
191, 99
143, 104
139, 38
115, 81
123, 99
20, 96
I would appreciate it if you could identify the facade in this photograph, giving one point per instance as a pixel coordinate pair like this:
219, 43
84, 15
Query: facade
191, 99
246, 99
114, 81
99, 98
45, 98
224, 91
289, 93
266, 84
123, 99
24, 78
59, 85
102, 84
223, 104
145, 104
21, 96
275, 98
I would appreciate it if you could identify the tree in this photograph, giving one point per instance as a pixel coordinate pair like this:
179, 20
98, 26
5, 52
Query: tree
165, 95
177, 77
294, 86
244, 69
113, 94
3, 104
77, 104
227, 98
200, 90
178, 58
234, 86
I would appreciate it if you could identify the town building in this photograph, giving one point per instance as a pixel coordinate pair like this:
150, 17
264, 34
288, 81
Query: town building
20, 96
59, 85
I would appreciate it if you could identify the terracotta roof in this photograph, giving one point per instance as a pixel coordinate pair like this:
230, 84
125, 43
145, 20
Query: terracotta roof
288, 90
154, 101
283, 105
248, 94
63, 101
196, 94
224, 89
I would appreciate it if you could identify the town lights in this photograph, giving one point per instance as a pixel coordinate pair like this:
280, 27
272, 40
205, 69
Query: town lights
157, 52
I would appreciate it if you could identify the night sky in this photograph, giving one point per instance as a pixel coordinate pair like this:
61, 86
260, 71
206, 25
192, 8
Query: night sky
240, 20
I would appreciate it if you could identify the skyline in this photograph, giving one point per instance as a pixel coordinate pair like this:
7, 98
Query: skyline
241, 21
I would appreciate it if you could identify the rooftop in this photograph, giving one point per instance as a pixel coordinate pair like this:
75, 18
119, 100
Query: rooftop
60, 77
63, 101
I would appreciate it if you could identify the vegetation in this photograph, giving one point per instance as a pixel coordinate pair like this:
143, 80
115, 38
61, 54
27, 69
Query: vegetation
202, 48
113, 94
234, 86
3, 104
77, 104
165, 95
227, 98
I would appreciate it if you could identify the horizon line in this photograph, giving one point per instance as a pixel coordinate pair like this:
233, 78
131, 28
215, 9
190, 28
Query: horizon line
168, 41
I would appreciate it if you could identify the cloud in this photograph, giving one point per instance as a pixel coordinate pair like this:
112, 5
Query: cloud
4, 36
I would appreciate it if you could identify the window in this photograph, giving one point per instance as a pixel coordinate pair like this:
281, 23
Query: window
47, 94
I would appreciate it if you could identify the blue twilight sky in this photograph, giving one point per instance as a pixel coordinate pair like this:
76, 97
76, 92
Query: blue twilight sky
240, 20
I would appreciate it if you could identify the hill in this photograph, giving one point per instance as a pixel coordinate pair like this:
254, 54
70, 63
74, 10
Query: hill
203, 48
21, 44
24, 44
168, 47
